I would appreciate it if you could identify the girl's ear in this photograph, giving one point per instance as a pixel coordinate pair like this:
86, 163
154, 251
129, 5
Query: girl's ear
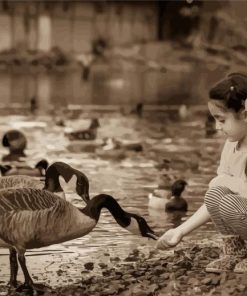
245, 110
244, 115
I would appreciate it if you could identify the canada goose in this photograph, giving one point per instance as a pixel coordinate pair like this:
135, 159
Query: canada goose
16, 142
37, 171
51, 180
32, 218
88, 134
113, 144
170, 201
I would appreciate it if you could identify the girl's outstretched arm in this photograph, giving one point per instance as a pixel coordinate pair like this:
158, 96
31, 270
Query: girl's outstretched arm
173, 236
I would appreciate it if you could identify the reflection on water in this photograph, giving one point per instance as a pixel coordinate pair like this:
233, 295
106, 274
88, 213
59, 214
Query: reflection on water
114, 82
129, 180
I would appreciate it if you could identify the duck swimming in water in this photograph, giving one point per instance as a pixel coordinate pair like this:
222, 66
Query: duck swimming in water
88, 134
16, 142
37, 171
32, 218
51, 182
169, 200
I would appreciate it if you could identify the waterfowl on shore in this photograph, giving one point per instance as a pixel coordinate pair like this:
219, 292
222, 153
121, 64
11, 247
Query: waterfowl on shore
51, 182
16, 142
32, 218
37, 171
169, 200
88, 134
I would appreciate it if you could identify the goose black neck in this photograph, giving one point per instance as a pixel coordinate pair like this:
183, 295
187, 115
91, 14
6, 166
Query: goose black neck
94, 206
52, 176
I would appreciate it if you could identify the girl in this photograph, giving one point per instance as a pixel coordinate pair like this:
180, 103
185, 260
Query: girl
226, 199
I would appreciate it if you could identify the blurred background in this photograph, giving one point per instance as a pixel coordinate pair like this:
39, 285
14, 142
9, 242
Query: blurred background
117, 52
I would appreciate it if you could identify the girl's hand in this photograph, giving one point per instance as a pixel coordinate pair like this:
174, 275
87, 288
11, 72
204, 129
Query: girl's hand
170, 239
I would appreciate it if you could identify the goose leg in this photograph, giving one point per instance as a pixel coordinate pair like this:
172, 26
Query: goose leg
29, 284
13, 267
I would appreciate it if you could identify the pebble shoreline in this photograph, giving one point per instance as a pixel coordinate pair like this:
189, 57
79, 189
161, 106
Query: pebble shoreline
181, 272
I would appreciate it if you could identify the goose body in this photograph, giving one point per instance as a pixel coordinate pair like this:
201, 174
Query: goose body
37, 171
33, 218
87, 134
158, 199
20, 181
176, 204
169, 201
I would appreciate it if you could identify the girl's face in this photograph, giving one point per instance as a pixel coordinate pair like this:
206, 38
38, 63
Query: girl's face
232, 124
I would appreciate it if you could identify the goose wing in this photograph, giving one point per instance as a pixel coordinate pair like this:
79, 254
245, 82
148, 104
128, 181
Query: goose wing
20, 181
29, 199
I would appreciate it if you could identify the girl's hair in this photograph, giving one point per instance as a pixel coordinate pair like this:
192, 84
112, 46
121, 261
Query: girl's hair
231, 91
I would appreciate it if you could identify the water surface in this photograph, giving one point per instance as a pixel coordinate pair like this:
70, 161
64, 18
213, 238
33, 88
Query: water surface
181, 142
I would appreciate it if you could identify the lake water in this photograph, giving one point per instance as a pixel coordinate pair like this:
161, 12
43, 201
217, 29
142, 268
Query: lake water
182, 142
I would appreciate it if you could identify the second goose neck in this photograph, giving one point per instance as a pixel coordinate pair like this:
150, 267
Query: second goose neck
93, 209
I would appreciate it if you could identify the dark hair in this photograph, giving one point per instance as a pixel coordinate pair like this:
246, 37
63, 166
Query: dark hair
232, 91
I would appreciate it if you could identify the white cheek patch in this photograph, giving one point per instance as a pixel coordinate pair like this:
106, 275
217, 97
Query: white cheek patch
61, 194
69, 187
133, 227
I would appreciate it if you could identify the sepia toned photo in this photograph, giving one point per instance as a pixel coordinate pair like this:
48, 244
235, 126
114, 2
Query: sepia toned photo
123, 141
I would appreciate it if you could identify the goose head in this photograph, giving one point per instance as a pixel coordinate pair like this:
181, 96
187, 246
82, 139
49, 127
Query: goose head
131, 222
178, 187
81, 186
42, 166
138, 225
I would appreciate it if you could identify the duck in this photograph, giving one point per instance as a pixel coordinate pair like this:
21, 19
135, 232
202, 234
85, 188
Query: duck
33, 218
88, 134
78, 146
111, 149
16, 142
51, 181
114, 144
38, 170
169, 200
